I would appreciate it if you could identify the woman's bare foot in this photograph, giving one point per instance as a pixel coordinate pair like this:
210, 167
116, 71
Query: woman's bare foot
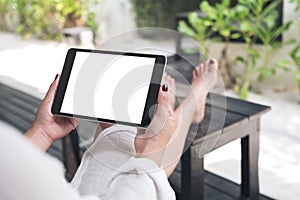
204, 79
152, 143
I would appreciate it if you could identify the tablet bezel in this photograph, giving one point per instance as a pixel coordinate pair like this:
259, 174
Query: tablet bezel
152, 95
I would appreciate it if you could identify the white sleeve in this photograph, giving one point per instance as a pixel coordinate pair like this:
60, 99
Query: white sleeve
28, 173
140, 178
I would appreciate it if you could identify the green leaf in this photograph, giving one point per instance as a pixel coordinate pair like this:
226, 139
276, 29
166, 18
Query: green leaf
225, 32
291, 41
208, 9
236, 88
235, 35
226, 3
283, 64
263, 35
253, 52
197, 24
216, 39
241, 59
245, 26
244, 91
185, 29
270, 21
266, 71
247, 39
276, 45
241, 11
273, 71
207, 22
281, 29
271, 7
294, 55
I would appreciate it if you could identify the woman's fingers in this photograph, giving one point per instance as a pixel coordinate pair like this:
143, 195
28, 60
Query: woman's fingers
52, 89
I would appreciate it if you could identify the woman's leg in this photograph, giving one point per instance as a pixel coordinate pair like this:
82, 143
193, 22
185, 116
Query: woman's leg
191, 110
92, 175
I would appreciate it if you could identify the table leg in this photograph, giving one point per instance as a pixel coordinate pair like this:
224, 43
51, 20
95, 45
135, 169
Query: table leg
250, 153
192, 175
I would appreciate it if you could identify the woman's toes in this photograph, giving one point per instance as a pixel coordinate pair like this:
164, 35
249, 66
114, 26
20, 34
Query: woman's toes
204, 78
163, 97
213, 64
163, 94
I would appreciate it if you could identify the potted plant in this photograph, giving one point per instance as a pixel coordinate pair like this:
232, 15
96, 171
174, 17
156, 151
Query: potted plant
259, 24
254, 21
218, 23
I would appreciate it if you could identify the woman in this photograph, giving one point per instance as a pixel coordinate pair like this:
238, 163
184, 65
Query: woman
28, 173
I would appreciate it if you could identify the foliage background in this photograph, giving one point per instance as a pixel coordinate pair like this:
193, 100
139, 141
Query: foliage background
46, 19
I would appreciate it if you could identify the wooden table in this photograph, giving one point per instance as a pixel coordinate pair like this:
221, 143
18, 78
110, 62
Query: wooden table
231, 119
242, 121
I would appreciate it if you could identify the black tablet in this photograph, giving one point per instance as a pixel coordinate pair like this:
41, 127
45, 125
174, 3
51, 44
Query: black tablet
115, 87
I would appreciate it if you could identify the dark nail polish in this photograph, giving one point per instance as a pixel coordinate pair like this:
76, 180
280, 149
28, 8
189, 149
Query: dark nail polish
56, 76
165, 87
212, 61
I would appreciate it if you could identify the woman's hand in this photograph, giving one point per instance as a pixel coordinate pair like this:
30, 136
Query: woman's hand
152, 142
46, 127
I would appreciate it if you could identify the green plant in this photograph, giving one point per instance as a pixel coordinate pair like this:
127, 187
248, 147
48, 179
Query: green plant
33, 17
243, 83
198, 28
259, 24
222, 19
268, 32
46, 19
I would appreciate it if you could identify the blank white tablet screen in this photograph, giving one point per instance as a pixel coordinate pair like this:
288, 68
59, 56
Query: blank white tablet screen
107, 86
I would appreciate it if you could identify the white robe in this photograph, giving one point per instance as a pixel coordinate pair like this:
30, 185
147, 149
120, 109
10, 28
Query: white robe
28, 173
